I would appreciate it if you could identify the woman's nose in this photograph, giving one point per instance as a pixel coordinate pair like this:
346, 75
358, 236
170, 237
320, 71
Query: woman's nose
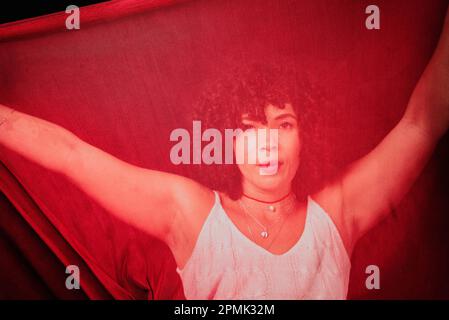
268, 140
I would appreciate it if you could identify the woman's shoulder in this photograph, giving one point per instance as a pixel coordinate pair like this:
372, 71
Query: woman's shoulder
193, 198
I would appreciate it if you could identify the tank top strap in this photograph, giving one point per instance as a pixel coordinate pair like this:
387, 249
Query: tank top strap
217, 198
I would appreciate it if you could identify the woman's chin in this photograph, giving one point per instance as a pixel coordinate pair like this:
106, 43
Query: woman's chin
269, 180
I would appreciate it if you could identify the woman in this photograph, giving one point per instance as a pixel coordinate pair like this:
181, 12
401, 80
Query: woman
257, 241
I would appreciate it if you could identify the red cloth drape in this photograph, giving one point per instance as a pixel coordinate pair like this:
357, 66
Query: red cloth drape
131, 74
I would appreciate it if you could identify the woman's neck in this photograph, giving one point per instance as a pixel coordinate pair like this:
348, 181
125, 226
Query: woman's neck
265, 195
268, 205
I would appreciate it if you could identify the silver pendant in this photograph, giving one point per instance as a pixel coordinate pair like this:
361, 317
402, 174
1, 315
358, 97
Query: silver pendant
264, 234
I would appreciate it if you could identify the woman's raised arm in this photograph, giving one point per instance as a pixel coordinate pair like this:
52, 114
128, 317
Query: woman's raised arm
372, 186
148, 199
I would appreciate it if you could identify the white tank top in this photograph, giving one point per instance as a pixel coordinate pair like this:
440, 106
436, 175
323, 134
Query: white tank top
226, 265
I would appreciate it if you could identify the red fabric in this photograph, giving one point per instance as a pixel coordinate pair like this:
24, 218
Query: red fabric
122, 83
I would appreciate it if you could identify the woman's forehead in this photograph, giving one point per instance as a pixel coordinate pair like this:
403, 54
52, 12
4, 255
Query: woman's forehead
273, 112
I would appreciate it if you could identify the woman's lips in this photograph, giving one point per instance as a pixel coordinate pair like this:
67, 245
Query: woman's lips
269, 169
268, 164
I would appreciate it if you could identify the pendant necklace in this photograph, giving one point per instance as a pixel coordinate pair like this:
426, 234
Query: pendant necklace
270, 206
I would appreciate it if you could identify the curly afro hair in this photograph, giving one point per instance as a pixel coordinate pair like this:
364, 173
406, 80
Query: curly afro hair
248, 89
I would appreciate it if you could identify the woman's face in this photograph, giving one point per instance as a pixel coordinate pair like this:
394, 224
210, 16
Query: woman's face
276, 160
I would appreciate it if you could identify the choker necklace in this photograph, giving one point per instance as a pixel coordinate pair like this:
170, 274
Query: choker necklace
271, 206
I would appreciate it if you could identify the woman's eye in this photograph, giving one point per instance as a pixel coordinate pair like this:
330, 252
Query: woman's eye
286, 125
